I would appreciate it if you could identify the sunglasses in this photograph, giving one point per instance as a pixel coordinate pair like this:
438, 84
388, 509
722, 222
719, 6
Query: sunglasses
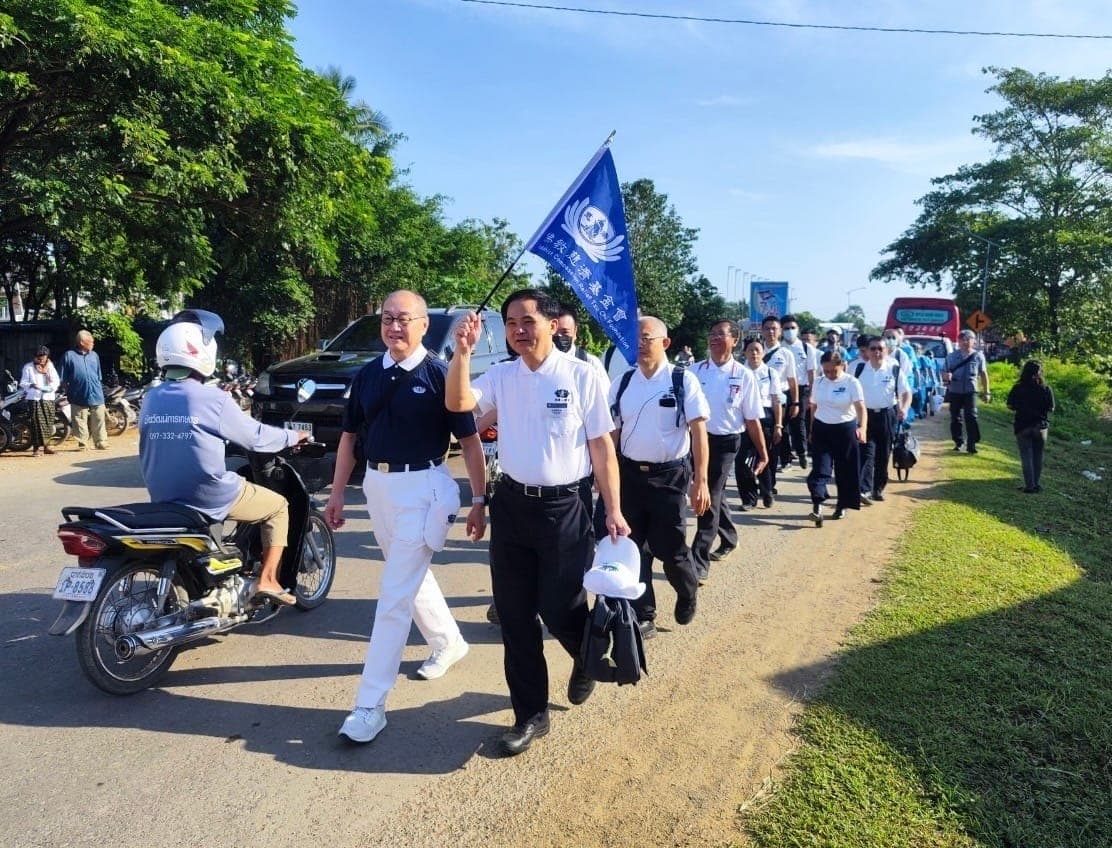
876, 348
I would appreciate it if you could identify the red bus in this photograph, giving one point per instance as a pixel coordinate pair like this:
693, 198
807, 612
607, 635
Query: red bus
925, 316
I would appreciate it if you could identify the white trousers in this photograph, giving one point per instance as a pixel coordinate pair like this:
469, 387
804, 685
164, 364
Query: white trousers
408, 592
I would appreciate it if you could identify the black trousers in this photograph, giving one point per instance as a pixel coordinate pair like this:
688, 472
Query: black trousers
877, 450
539, 551
716, 522
797, 427
963, 407
750, 488
654, 504
835, 456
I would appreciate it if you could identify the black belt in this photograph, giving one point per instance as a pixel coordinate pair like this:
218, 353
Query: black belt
395, 467
720, 436
650, 467
540, 491
883, 410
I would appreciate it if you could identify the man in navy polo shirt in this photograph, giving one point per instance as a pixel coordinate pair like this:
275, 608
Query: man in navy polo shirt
397, 406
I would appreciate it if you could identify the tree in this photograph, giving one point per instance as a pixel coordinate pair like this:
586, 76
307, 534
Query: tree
702, 306
853, 314
1046, 199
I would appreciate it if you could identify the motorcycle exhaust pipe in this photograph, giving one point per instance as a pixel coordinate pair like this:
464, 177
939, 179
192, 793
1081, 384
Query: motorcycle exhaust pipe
149, 641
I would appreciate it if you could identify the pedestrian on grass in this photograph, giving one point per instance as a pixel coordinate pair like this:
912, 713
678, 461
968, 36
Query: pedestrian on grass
40, 381
397, 406
1032, 400
964, 369
83, 384
553, 430
839, 422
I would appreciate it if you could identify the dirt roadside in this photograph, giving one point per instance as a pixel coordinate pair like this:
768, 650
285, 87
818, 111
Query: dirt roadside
671, 761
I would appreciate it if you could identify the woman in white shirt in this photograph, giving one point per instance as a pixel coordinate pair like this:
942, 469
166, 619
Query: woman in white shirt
838, 427
40, 380
770, 388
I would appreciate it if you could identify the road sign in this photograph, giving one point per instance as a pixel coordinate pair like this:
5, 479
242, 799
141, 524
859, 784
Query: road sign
978, 321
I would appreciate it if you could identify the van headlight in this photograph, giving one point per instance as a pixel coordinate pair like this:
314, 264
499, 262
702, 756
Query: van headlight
262, 385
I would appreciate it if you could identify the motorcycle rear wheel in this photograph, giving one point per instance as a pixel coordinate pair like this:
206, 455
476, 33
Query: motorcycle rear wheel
5, 435
124, 603
314, 577
21, 436
115, 419
61, 431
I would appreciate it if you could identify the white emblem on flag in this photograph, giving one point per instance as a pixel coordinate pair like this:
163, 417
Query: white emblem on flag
591, 229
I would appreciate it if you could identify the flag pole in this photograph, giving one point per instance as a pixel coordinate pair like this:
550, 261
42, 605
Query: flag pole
548, 220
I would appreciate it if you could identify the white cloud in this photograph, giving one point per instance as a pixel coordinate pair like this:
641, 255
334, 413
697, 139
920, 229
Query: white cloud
912, 156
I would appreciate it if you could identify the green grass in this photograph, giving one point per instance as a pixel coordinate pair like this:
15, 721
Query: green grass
974, 706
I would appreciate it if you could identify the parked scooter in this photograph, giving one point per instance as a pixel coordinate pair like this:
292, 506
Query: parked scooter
10, 401
152, 577
119, 414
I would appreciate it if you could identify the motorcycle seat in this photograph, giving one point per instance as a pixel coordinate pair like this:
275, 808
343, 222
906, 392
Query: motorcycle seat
145, 516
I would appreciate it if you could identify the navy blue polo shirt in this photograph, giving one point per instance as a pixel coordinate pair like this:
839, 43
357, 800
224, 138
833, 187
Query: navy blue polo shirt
414, 425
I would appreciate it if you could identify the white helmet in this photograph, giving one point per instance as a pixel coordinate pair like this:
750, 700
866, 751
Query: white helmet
189, 342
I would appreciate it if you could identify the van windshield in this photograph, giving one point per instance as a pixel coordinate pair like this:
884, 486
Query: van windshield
365, 335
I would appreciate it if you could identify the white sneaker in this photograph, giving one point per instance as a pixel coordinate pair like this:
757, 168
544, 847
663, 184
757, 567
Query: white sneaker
443, 659
364, 724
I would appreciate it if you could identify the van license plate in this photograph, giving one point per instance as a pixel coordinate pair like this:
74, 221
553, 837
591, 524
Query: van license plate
78, 584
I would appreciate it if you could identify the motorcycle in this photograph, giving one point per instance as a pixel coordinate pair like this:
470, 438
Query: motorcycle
15, 422
153, 577
119, 414
10, 402
489, 440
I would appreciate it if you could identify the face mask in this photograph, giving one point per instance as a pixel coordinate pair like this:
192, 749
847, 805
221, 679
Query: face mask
790, 334
562, 342
891, 343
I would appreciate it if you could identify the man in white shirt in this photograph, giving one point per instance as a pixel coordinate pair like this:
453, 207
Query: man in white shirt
734, 400
567, 333
806, 364
662, 451
887, 397
782, 361
553, 430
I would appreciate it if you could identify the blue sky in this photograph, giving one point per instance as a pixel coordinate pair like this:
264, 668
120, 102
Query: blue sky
798, 154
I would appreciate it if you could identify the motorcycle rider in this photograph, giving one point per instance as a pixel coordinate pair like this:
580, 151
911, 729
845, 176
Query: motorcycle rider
183, 426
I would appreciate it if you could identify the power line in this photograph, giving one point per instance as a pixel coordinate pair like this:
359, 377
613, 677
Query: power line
784, 24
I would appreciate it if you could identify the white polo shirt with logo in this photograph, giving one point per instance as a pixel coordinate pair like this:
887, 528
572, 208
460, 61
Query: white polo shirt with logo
732, 395
647, 417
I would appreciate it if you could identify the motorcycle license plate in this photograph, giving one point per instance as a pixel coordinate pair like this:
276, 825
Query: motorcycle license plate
300, 426
78, 584
490, 448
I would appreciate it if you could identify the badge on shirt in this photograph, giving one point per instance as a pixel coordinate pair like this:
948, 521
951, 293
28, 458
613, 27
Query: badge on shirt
418, 390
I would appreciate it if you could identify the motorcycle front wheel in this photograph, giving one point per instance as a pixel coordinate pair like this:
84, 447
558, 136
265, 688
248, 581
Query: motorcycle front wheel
21, 436
317, 567
61, 431
126, 602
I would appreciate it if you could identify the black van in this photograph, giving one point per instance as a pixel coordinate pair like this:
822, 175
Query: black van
334, 368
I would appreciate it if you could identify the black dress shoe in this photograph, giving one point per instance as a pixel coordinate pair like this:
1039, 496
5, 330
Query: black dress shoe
580, 686
878, 496
521, 736
803, 462
838, 513
722, 552
768, 500
685, 610
647, 628
971, 449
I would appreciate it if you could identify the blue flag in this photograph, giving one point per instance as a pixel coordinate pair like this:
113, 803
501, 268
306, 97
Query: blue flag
767, 298
584, 239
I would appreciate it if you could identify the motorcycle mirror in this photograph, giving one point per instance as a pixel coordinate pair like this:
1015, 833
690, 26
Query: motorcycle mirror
305, 390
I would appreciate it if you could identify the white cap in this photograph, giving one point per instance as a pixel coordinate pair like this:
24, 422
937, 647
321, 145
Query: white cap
615, 570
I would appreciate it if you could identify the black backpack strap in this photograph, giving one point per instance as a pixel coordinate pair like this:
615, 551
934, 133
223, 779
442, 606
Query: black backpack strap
580, 353
768, 356
857, 371
623, 384
678, 392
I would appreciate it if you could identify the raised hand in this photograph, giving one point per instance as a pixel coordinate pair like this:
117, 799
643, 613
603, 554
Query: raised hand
467, 331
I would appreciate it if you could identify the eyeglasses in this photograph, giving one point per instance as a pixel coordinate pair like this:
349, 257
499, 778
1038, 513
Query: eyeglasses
717, 336
402, 321
649, 339
881, 348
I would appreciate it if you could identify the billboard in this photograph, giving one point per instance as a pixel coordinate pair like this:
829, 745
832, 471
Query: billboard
767, 298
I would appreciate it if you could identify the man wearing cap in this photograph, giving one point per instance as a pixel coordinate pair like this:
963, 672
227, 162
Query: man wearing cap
964, 368
734, 400
662, 453
553, 431
397, 406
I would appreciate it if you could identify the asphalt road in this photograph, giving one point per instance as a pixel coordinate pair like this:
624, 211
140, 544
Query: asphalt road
242, 732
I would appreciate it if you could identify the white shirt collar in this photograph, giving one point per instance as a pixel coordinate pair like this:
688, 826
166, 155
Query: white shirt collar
407, 364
